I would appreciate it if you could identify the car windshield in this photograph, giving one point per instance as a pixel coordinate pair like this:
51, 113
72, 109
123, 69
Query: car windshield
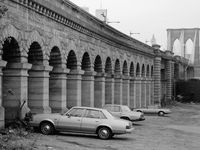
125, 109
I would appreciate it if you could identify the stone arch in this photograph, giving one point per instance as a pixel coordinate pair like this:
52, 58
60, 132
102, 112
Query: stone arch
132, 71
10, 31
143, 71
138, 69
117, 67
108, 65
35, 37
86, 62
125, 68
72, 60
98, 64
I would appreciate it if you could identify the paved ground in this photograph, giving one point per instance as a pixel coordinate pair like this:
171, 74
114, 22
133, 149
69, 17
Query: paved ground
177, 131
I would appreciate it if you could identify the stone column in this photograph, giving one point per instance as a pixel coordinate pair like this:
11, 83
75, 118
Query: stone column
118, 89
15, 89
58, 89
143, 92
109, 89
138, 91
38, 89
132, 93
157, 78
88, 88
148, 94
126, 91
99, 90
74, 88
2, 110
152, 92
169, 76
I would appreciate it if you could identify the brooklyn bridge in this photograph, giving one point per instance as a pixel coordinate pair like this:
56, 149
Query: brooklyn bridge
54, 55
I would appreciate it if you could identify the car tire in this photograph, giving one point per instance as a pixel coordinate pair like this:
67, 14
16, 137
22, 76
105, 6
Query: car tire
46, 128
104, 133
161, 113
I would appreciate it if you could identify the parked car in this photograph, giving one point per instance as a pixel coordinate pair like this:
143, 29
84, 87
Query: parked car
82, 120
154, 109
124, 112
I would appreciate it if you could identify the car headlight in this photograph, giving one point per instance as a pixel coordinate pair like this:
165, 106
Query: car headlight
129, 126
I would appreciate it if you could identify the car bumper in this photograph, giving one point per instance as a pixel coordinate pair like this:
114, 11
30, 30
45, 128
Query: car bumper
129, 130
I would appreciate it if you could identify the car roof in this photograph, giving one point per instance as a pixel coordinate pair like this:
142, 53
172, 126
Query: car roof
114, 105
84, 107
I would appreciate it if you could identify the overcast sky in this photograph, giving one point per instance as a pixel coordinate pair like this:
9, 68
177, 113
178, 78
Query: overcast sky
148, 17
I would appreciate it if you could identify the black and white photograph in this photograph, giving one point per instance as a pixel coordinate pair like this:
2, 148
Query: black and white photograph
99, 75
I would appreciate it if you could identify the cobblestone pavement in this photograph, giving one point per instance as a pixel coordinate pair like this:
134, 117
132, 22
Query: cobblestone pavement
177, 131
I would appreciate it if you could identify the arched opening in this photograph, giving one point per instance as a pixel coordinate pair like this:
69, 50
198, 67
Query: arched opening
86, 64
177, 48
143, 71
117, 67
35, 56
11, 82
73, 81
108, 82
148, 71
38, 80
72, 60
108, 67
125, 68
98, 64
189, 50
152, 71
138, 70
132, 69
57, 82
99, 84
87, 95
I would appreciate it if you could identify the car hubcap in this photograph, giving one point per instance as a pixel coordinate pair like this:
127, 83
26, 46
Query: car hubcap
104, 133
46, 128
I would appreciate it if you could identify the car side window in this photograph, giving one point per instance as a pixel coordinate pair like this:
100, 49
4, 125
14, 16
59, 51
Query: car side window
76, 112
102, 116
116, 109
92, 114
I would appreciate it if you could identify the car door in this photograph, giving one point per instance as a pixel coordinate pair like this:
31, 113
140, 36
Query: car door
90, 121
72, 120
116, 111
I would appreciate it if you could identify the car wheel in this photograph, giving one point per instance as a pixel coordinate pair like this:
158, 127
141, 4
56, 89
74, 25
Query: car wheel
104, 133
47, 128
161, 113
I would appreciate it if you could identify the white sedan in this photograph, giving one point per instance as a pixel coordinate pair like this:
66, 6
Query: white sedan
82, 120
154, 109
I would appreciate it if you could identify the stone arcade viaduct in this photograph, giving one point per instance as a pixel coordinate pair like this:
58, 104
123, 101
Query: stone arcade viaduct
54, 55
